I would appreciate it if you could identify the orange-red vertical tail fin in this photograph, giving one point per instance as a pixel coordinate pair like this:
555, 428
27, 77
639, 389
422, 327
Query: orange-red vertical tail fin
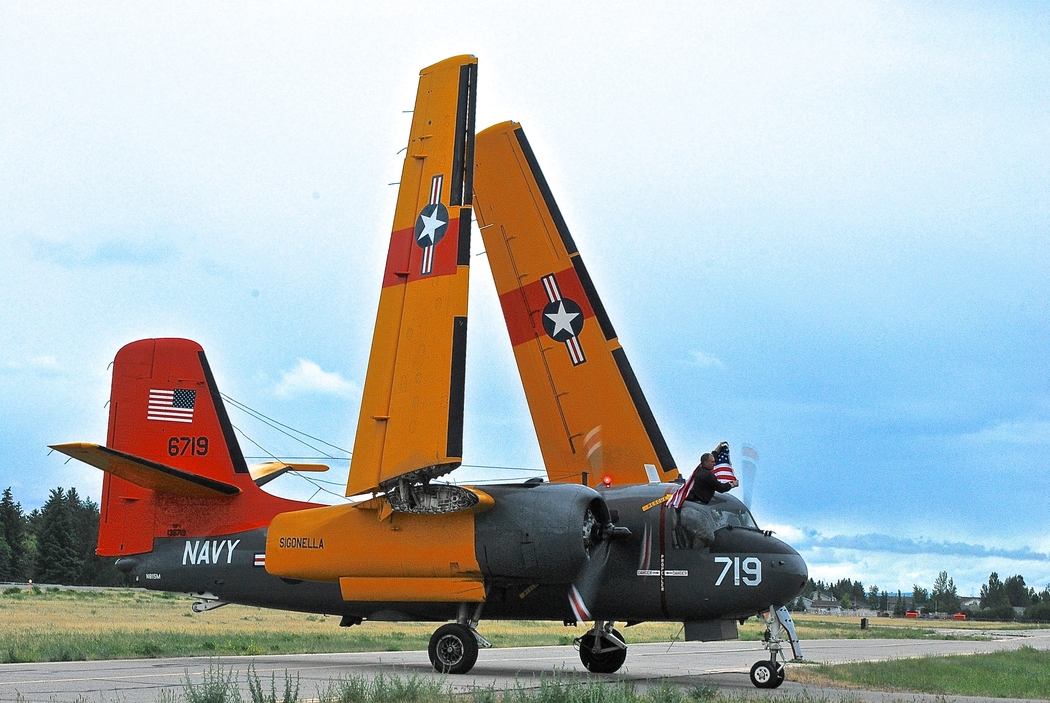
172, 462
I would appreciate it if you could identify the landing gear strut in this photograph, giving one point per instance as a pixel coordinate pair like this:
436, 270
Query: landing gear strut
454, 647
779, 627
603, 649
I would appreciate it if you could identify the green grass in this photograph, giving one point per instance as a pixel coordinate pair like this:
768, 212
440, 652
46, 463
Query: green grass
1021, 673
62, 625
221, 686
836, 628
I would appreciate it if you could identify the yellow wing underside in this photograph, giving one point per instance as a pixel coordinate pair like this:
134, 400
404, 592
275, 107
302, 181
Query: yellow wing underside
411, 417
590, 415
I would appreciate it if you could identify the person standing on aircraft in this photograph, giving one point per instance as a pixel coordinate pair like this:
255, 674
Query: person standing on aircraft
694, 527
704, 482
705, 477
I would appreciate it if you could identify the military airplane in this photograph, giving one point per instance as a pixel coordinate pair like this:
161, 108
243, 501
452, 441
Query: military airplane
593, 544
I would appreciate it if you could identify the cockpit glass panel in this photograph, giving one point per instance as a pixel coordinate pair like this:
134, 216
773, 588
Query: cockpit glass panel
694, 526
730, 516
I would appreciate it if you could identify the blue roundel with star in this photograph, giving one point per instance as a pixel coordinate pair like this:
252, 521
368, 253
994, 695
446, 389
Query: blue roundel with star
562, 319
431, 225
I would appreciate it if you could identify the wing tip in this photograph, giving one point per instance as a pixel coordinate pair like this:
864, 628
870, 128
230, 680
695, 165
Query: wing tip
450, 62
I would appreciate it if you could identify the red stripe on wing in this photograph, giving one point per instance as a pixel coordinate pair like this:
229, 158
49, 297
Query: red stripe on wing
404, 259
517, 303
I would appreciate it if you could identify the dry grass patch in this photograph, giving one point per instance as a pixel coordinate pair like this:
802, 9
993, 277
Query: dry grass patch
129, 623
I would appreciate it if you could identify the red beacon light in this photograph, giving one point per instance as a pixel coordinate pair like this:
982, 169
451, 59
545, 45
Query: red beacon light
607, 481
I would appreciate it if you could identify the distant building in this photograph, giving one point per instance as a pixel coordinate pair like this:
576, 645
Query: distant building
825, 606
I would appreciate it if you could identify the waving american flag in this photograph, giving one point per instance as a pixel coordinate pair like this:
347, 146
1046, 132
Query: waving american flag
723, 470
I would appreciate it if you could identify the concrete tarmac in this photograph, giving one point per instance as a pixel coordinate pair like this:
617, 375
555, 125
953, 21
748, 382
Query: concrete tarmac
722, 664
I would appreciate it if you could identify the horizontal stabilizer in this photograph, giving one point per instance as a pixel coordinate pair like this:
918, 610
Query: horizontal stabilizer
145, 473
264, 473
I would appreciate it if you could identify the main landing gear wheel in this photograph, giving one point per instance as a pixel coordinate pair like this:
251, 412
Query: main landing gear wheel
607, 660
453, 649
767, 674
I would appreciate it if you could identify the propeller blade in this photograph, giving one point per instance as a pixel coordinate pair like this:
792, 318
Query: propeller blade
584, 589
748, 470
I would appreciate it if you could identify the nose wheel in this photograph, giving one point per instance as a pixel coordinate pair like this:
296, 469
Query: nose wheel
767, 674
780, 629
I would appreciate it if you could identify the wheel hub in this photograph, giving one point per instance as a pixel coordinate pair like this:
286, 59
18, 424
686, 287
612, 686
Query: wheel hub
450, 650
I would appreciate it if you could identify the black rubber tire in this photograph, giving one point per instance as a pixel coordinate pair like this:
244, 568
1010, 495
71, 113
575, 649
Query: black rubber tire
781, 675
453, 649
605, 663
763, 675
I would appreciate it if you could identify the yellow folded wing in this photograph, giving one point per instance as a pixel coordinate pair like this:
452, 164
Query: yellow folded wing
411, 421
590, 415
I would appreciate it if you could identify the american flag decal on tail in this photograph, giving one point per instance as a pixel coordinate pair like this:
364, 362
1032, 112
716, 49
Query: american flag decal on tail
171, 405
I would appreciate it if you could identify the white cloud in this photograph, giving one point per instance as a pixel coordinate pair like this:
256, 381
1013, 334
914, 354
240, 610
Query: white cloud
1019, 433
707, 361
788, 533
895, 561
44, 363
308, 377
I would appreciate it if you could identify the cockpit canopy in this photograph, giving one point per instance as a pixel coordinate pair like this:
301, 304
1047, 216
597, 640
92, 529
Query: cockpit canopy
729, 512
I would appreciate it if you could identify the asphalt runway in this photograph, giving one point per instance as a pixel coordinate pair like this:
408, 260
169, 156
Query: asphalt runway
723, 664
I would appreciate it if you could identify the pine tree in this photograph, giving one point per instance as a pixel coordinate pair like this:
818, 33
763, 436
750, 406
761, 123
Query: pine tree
945, 595
899, 608
96, 570
13, 523
919, 596
1017, 592
57, 558
993, 594
5, 556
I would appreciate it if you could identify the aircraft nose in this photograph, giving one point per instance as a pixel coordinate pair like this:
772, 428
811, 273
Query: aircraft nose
788, 573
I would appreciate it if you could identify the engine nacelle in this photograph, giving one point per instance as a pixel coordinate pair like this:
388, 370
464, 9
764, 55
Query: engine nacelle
540, 533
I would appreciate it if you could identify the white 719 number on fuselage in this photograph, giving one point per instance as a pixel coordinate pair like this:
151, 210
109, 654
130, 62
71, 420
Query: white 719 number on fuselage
750, 566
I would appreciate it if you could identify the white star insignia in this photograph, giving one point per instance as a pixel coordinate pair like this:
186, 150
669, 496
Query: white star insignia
562, 319
430, 226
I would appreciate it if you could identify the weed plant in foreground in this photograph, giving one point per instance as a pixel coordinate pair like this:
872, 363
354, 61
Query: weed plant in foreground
220, 686
1021, 673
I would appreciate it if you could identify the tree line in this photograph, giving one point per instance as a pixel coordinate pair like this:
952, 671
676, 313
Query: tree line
998, 601
54, 543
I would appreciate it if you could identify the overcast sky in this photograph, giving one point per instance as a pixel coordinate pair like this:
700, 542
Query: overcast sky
822, 229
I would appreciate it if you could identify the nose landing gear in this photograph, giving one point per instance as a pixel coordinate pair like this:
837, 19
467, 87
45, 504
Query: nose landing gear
603, 649
779, 628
